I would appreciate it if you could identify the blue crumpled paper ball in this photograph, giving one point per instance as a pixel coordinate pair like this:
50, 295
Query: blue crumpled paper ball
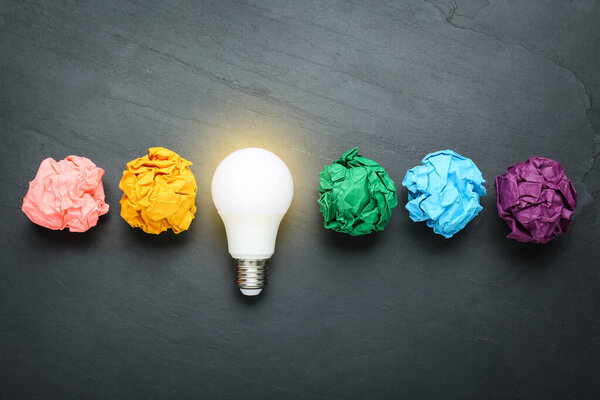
444, 191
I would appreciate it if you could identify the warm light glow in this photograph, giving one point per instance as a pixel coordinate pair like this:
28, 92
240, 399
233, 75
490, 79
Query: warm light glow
252, 181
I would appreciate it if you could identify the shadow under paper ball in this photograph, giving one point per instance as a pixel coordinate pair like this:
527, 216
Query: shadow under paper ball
534, 255
343, 241
64, 239
165, 239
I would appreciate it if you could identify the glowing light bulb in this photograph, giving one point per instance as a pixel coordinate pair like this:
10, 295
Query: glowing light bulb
252, 190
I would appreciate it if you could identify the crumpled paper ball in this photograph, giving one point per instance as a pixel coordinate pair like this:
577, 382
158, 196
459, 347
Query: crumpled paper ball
356, 195
536, 199
66, 194
444, 191
159, 192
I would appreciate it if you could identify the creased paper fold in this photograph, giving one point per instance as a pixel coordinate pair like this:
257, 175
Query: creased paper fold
159, 192
444, 191
536, 199
356, 195
66, 194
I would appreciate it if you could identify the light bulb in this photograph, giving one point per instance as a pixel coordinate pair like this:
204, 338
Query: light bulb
252, 190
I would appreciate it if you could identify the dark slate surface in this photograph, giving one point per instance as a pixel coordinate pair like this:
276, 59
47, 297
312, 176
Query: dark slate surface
115, 313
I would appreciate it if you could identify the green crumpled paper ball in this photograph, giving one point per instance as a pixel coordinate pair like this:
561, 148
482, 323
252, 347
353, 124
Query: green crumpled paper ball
356, 195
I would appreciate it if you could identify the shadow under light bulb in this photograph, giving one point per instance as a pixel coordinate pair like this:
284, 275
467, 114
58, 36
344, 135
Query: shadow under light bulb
252, 190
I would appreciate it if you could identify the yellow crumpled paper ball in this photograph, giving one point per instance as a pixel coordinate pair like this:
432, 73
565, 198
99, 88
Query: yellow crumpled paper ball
159, 192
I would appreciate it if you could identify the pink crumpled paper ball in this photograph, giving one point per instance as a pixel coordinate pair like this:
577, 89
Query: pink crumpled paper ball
66, 194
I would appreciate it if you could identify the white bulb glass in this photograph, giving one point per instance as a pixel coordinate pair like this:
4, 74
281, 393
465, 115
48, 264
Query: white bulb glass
252, 190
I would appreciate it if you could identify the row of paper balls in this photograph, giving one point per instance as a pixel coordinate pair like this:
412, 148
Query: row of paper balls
534, 197
356, 195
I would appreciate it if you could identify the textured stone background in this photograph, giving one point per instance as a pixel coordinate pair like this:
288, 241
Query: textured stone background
115, 313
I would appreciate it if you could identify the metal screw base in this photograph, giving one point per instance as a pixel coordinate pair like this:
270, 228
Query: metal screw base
251, 275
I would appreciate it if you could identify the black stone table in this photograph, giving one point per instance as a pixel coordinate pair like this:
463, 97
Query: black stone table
118, 314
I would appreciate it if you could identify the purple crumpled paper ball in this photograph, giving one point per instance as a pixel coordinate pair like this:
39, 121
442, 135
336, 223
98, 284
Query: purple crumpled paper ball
536, 199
